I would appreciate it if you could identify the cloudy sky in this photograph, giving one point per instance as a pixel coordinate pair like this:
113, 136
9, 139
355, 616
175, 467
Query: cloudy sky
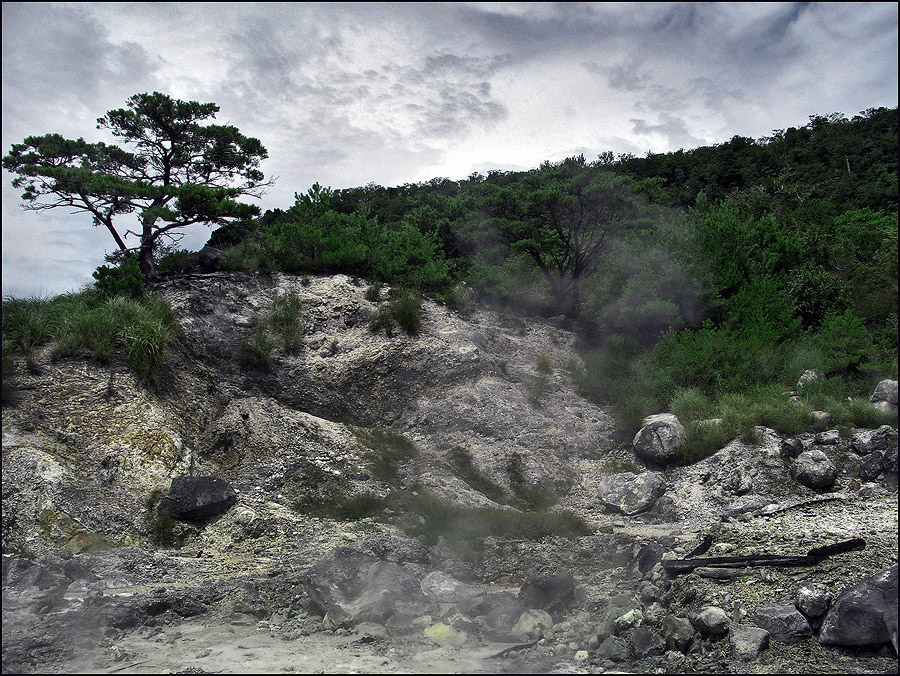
346, 94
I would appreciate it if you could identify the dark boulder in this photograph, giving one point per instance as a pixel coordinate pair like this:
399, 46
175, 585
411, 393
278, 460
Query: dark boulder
548, 592
858, 615
194, 498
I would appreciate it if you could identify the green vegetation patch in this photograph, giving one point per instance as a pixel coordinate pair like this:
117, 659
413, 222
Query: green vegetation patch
279, 327
139, 330
386, 451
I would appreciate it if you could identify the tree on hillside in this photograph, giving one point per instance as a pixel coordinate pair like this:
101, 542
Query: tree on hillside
173, 172
562, 217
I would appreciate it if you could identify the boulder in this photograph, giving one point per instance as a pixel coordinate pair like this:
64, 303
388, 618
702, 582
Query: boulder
194, 498
711, 620
857, 616
868, 441
813, 469
548, 592
643, 562
884, 397
678, 633
783, 622
871, 466
790, 448
645, 641
443, 588
531, 624
828, 438
659, 439
630, 493
613, 648
366, 588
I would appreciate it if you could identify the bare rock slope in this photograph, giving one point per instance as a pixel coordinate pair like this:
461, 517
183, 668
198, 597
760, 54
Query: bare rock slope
474, 412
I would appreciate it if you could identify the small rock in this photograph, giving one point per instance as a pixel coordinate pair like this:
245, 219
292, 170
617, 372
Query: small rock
867, 441
748, 642
581, 656
810, 377
783, 622
828, 438
444, 634
630, 493
531, 624
813, 600
613, 648
678, 633
711, 620
822, 420
871, 466
791, 448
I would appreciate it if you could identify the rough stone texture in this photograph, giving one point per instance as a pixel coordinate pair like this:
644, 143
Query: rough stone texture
531, 624
553, 593
857, 616
629, 493
828, 438
711, 620
814, 470
884, 397
85, 445
659, 439
747, 642
645, 641
443, 588
867, 441
613, 648
810, 377
193, 498
678, 632
791, 448
783, 622
813, 600
871, 466
369, 590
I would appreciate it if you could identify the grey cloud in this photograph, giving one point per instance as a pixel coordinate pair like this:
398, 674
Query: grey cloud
621, 77
64, 49
674, 129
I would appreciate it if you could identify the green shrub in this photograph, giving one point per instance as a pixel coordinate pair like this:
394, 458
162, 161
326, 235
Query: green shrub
844, 342
358, 507
406, 309
691, 404
126, 279
381, 320
373, 292
7, 372
386, 451
460, 297
702, 439
284, 319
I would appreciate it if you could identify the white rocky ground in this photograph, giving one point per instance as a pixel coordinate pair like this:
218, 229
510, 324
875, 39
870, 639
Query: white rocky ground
85, 445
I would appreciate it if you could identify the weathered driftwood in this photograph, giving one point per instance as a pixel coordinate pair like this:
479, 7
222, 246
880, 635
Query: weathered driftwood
811, 558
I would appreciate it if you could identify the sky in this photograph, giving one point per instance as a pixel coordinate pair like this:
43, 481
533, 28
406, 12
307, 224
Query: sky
345, 94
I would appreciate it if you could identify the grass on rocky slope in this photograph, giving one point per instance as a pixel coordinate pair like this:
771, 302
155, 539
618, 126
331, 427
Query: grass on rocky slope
102, 327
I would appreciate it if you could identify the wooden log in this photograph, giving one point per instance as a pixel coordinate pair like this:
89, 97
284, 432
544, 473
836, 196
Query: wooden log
814, 556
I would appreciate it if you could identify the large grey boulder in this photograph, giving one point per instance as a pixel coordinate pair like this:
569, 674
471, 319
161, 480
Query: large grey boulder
366, 588
193, 498
711, 620
864, 614
813, 469
659, 439
884, 397
630, 493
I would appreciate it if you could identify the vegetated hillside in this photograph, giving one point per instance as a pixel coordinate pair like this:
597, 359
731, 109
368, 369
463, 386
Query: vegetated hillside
725, 269
400, 423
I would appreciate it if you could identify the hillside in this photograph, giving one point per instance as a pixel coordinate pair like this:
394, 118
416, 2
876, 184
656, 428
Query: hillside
364, 493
